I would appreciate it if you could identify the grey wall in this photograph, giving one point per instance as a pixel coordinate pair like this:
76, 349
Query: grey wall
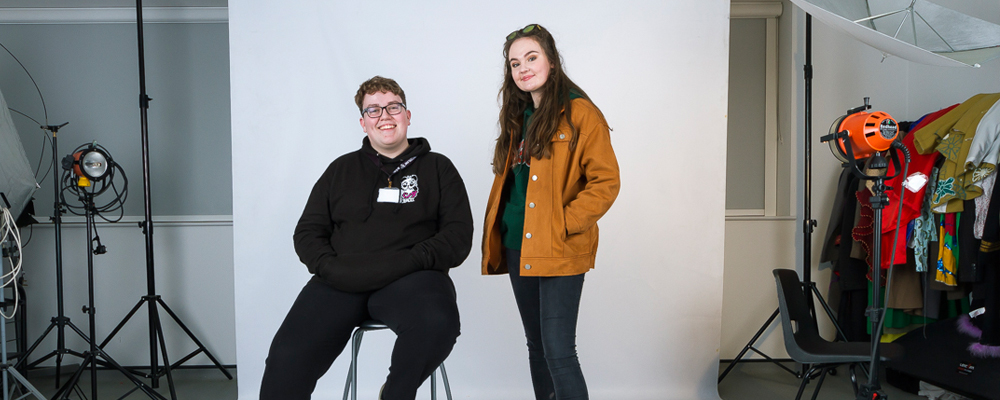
88, 75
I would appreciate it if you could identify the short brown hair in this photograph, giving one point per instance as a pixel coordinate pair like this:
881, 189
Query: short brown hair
378, 84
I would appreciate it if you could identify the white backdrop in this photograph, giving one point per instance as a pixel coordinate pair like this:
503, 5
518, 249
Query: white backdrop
650, 318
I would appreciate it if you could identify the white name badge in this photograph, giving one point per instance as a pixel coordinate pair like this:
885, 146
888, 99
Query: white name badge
388, 195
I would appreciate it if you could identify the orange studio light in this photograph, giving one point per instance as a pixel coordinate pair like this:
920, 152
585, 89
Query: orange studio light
867, 132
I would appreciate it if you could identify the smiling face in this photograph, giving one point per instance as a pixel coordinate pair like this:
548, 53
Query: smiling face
387, 133
529, 67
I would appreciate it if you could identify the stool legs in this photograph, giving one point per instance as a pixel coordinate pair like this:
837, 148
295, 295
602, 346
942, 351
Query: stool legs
444, 378
352, 384
351, 387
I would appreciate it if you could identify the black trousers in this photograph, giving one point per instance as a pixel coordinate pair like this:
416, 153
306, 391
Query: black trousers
420, 308
549, 307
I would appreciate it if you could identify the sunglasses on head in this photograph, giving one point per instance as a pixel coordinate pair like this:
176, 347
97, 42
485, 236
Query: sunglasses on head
526, 29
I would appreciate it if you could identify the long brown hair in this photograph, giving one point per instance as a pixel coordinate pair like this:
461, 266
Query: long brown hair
545, 120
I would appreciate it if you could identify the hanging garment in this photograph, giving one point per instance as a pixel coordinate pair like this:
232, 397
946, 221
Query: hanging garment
918, 174
924, 229
991, 316
947, 267
905, 292
989, 262
952, 135
837, 246
968, 246
983, 203
985, 145
912, 188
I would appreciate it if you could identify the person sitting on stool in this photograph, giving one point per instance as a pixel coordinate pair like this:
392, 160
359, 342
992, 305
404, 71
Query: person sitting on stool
380, 230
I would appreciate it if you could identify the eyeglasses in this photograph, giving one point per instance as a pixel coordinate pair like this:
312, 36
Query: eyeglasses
526, 29
391, 108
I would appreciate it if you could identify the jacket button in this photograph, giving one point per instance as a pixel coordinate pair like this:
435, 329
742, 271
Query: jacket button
534, 177
562, 135
528, 235
527, 266
531, 205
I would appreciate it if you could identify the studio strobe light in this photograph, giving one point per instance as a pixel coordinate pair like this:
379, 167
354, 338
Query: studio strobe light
866, 133
91, 163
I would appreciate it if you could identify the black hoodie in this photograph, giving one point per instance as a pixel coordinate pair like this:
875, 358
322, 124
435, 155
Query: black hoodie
354, 243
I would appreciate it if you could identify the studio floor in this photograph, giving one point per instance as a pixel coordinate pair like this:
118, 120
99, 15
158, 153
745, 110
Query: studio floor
764, 380
189, 384
747, 381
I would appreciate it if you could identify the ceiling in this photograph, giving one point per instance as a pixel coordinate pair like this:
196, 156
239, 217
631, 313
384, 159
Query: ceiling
109, 3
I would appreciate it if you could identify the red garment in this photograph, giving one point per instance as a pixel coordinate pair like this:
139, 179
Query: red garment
912, 201
863, 233
919, 163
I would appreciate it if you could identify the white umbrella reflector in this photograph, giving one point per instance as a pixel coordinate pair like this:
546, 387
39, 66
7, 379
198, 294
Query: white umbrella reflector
915, 30
17, 182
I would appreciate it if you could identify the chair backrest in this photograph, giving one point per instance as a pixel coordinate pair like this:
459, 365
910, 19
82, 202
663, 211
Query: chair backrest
797, 322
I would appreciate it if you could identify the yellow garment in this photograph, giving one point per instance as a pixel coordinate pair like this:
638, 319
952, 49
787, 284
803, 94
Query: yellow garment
947, 268
952, 135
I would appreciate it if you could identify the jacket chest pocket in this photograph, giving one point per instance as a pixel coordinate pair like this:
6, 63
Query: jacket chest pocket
561, 160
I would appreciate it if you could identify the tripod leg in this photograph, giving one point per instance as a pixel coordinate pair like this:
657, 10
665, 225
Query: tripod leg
141, 385
24, 358
194, 339
819, 383
805, 381
749, 345
166, 361
829, 312
65, 390
121, 324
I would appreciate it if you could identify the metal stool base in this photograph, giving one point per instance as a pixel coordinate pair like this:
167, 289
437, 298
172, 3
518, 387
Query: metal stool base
351, 387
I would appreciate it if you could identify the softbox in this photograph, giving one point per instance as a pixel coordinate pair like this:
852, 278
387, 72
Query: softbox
17, 182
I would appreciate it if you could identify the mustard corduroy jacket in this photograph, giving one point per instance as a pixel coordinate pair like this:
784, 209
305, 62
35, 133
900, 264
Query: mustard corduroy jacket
567, 193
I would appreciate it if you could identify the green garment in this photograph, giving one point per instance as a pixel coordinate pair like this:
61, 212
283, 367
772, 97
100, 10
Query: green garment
512, 223
896, 318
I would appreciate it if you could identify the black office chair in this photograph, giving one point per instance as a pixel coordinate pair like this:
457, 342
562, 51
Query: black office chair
804, 344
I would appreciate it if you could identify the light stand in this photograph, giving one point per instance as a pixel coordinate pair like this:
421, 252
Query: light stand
887, 130
873, 389
152, 299
60, 321
96, 354
808, 224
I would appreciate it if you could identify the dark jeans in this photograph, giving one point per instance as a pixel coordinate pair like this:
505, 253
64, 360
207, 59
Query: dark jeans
420, 308
549, 307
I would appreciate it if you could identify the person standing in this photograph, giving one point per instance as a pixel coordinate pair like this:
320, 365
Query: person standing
380, 230
555, 175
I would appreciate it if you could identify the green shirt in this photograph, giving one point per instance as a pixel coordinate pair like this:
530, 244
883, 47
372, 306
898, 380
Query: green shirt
512, 223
